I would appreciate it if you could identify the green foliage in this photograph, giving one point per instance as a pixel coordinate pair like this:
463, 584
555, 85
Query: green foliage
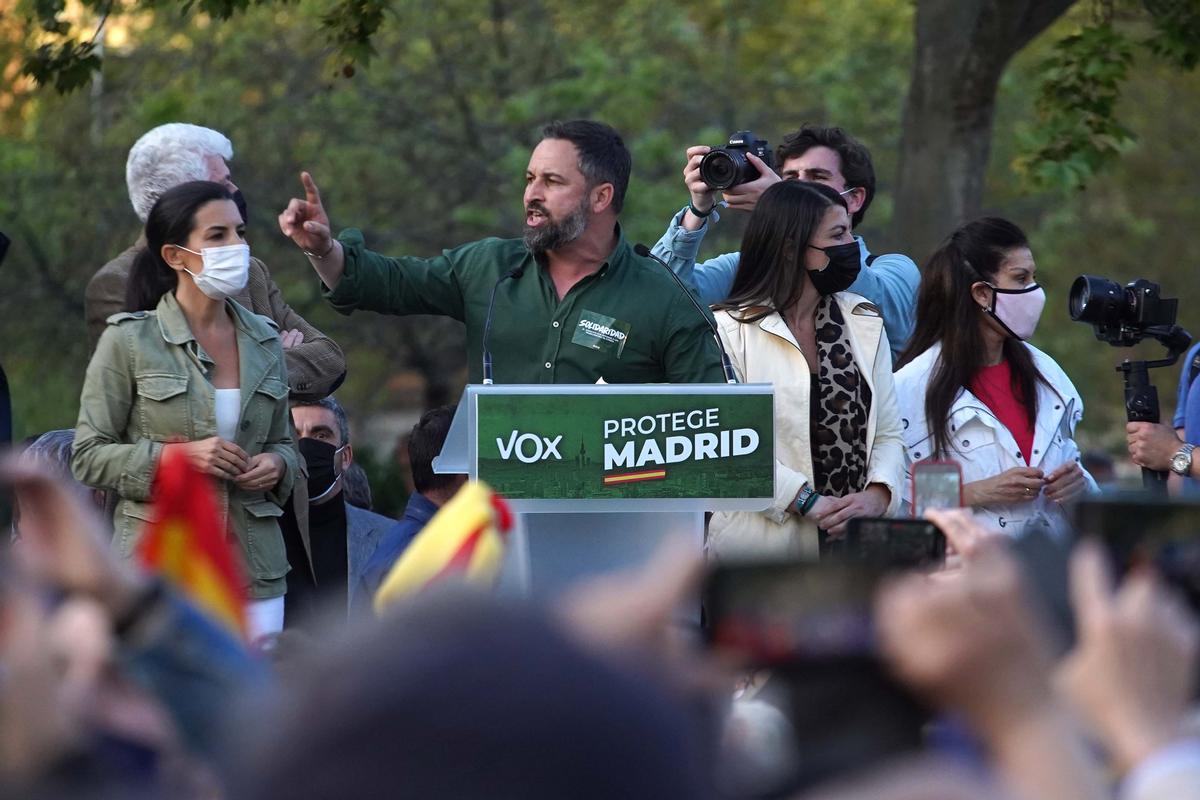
62, 59
350, 26
1078, 133
66, 66
1176, 36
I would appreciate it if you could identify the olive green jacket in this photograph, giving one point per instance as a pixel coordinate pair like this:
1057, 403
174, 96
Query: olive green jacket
148, 384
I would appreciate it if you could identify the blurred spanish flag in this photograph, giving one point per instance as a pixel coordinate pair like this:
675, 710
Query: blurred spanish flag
464, 540
186, 542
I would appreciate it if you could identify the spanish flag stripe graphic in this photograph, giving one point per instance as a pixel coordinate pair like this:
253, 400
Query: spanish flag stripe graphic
634, 477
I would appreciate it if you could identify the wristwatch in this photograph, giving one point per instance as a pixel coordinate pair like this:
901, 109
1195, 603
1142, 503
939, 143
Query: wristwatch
1181, 462
806, 499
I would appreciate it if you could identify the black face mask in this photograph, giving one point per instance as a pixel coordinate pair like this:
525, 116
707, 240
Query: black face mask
239, 200
322, 477
845, 262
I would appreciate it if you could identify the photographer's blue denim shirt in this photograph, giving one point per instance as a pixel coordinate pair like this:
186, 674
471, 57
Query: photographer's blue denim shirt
1187, 405
890, 281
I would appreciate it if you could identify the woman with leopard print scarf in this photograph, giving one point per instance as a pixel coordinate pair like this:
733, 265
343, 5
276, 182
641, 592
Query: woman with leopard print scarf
789, 321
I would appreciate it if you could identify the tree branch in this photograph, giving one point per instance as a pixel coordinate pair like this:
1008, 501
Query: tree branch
1038, 15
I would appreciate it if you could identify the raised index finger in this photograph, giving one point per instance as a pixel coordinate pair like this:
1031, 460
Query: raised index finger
311, 193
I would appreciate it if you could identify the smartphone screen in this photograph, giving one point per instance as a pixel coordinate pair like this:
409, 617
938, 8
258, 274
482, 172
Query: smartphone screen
895, 543
936, 484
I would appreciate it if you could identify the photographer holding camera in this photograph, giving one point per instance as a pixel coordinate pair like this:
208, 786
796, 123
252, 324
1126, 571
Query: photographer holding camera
825, 155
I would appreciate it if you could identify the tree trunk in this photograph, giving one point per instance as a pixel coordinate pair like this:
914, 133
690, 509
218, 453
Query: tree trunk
961, 49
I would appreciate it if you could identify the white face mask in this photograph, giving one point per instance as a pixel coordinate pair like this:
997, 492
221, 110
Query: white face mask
226, 270
1018, 310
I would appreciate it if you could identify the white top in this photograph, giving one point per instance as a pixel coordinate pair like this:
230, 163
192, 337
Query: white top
229, 409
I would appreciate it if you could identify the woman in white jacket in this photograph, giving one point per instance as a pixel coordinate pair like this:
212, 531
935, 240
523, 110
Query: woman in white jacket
790, 322
972, 390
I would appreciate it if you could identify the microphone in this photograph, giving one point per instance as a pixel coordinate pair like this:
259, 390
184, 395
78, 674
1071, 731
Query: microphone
726, 364
515, 272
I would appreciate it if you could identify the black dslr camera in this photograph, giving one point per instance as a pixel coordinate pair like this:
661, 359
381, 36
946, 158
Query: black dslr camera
1122, 315
725, 167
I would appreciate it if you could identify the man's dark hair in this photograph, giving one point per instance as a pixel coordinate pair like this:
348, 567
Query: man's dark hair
424, 443
331, 405
856, 158
603, 157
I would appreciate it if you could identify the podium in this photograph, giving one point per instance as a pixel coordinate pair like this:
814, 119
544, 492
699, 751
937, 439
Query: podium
599, 475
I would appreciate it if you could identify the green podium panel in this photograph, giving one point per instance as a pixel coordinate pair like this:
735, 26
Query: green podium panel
599, 474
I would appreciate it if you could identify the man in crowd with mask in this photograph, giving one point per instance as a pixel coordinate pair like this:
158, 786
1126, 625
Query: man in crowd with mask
820, 154
573, 302
431, 492
343, 536
176, 153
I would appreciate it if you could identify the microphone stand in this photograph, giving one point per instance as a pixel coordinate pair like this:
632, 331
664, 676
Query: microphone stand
515, 272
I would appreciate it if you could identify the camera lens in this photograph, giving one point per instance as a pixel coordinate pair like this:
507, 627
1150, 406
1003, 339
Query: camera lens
1097, 301
720, 168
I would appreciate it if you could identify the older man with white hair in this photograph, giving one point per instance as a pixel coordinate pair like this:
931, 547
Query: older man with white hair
176, 153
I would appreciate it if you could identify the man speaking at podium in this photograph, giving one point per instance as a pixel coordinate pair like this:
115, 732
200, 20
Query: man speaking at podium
573, 302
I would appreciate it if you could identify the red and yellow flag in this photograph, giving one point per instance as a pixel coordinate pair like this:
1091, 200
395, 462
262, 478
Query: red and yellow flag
186, 542
464, 540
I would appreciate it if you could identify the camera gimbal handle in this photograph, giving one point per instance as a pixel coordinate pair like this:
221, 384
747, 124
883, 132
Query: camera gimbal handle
1141, 398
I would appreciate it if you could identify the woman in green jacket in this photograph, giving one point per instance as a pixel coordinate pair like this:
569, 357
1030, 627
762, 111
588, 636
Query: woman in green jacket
188, 368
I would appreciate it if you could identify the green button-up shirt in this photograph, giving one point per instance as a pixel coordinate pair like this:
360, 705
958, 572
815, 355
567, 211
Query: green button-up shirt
629, 322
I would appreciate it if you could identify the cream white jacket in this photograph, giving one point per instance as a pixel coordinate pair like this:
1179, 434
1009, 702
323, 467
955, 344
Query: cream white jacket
765, 351
984, 446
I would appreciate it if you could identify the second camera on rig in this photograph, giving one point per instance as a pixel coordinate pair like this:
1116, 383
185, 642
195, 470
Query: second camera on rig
1122, 315
725, 167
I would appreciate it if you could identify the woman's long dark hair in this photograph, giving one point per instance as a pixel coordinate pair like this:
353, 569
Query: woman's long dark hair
947, 313
171, 221
771, 271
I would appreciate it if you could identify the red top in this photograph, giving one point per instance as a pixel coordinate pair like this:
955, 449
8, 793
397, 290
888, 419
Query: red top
994, 386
